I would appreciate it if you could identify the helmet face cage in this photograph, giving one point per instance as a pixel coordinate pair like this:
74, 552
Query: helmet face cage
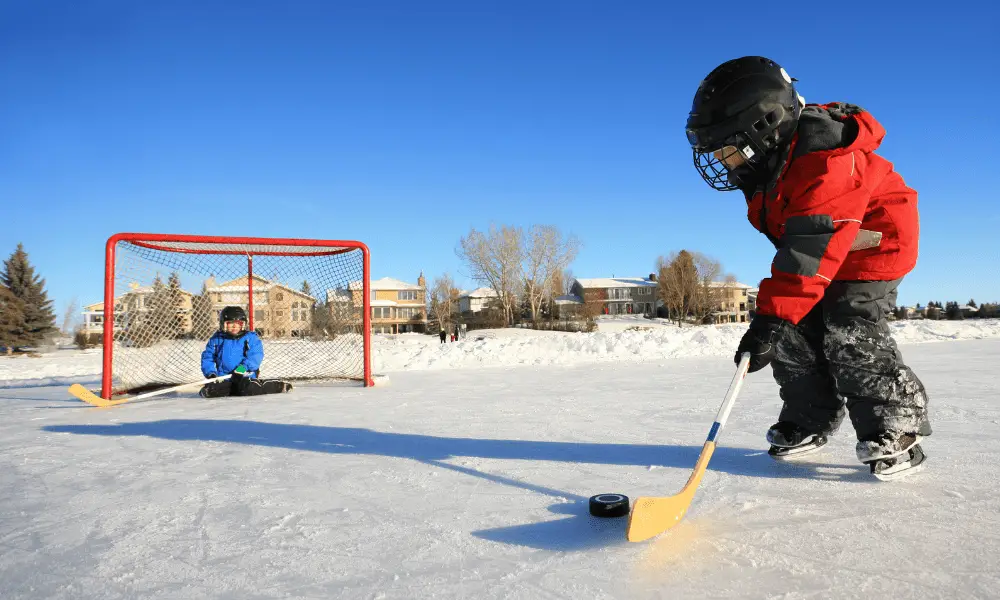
753, 139
715, 171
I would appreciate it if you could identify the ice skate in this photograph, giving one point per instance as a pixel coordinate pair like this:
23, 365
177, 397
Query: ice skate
789, 441
891, 455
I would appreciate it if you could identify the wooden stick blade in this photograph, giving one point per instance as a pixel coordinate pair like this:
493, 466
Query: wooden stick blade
652, 516
90, 397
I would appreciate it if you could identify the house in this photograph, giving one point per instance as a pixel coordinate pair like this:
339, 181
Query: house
613, 295
397, 306
278, 310
476, 300
132, 305
734, 302
93, 318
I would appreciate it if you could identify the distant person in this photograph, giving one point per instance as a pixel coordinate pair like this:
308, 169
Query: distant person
845, 227
443, 335
233, 349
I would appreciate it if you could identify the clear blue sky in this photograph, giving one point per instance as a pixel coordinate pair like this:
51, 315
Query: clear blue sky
405, 123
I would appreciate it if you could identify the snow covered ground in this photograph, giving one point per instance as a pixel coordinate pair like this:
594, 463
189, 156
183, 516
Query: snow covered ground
468, 477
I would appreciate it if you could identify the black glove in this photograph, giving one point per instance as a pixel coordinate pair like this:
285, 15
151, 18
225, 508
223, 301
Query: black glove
760, 341
211, 376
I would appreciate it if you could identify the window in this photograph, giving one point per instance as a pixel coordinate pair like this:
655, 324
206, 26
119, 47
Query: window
279, 313
743, 306
295, 315
279, 296
408, 295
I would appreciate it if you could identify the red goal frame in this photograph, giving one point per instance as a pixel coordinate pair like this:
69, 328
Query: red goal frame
161, 241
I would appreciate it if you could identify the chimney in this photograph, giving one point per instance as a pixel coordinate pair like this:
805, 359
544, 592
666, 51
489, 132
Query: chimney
421, 281
652, 276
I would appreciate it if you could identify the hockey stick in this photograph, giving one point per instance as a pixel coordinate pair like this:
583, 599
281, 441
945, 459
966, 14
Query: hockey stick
91, 398
652, 516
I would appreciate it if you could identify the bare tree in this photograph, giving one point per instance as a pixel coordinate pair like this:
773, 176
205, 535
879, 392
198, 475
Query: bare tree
712, 293
494, 258
688, 285
443, 298
566, 282
546, 254
69, 316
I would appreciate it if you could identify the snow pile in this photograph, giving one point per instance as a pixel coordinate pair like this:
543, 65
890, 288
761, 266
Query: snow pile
919, 331
619, 339
61, 367
623, 339
526, 347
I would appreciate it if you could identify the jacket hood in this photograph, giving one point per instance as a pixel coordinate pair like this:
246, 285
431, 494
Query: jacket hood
840, 127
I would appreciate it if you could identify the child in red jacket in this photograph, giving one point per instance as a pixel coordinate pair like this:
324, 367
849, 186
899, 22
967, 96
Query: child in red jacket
845, 227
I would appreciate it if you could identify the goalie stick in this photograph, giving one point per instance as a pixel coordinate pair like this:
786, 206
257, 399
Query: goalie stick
652, 516
91, 398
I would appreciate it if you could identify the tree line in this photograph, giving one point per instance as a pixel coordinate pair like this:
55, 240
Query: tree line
527, 268
952, 311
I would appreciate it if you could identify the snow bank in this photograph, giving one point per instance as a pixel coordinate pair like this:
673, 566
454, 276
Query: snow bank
626, 339
61, 367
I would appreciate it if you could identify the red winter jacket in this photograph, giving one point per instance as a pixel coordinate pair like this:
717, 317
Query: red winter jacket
836, 211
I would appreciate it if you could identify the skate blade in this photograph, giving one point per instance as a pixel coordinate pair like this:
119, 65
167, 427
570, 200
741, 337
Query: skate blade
790, 454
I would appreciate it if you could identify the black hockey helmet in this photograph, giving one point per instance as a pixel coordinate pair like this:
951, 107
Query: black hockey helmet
232, 313
747, 105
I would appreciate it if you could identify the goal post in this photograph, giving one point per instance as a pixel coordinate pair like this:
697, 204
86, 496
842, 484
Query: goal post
309, 300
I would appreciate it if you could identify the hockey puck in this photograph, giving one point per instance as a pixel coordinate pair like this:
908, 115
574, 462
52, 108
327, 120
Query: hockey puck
609, 505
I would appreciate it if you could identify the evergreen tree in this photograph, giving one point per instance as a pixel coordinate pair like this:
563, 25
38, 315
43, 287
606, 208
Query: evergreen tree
12, 330
162, 314
953, 312
147, 315
174, 300
306, 289
319, 323
972, 303
19, 278
203, 320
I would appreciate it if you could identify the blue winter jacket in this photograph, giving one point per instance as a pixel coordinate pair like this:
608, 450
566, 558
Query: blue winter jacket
223, 354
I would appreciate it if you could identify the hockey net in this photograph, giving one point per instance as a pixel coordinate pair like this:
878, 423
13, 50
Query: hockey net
307, 299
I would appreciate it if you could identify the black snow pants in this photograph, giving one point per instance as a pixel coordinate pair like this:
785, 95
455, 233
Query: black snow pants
842, 353
243, 386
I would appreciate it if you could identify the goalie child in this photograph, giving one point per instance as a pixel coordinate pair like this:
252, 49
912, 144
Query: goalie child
845, 229
235, 350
